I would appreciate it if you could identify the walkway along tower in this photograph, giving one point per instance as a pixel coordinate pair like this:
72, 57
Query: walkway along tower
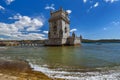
59, 30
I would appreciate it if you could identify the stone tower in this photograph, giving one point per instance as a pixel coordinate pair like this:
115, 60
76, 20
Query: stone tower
58, 27
59, 30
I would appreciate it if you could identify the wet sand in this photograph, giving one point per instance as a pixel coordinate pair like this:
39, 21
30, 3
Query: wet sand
20, 70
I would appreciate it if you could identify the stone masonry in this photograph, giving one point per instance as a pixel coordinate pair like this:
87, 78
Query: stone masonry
59, 30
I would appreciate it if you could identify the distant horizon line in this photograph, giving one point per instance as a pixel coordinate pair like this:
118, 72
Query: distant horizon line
46, 39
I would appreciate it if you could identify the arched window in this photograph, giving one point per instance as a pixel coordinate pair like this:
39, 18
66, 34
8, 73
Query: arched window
65, 29
61, 33
55, 23
54, 29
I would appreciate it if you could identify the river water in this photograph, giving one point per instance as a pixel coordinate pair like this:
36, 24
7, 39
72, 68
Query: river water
90, 61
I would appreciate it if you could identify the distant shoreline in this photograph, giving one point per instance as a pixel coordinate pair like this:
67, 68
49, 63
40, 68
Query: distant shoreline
4, 43
101, 41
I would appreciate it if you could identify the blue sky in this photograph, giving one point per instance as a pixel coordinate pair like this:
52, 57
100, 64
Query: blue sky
28, 19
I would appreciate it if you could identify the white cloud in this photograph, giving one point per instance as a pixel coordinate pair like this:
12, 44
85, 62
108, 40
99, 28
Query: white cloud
73, 30
17, 16
96, 4
1, 38
69, 11
22, 24
84, 1
93, 6
2, 8
111, 1
8, 2
104, 28
31, 24
50, 7
46, 32
31, 36
116, 23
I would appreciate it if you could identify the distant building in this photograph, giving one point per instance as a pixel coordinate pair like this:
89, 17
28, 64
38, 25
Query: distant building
59, 30
9, 43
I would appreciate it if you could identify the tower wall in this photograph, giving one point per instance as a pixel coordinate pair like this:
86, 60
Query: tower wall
65, 28
59, 30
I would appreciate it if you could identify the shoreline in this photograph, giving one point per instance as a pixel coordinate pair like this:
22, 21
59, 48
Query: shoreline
20, 70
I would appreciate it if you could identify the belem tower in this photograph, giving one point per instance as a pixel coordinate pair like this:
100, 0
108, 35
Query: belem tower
59, 30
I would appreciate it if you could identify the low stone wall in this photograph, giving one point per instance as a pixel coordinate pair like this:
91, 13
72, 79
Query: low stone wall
74, 41
54, 42
63, 42
77, 40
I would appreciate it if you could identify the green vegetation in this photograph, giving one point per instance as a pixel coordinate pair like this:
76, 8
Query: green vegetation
101, 41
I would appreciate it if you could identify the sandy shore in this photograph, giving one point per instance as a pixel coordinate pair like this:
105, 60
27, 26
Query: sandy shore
20, 70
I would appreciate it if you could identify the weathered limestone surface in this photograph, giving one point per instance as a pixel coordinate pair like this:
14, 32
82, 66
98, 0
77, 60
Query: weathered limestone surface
59, 30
